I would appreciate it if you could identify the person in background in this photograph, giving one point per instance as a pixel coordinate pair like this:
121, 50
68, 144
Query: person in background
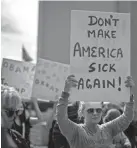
10, 105
120, 140
56, 139
22, 123
44, 119
43, 116
131, 133
90, 134
109, 106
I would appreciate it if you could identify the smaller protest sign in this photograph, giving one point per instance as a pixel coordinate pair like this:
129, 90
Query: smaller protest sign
19, 75
49, 79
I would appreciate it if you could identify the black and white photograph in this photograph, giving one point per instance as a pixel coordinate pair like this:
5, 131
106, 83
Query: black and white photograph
68, 74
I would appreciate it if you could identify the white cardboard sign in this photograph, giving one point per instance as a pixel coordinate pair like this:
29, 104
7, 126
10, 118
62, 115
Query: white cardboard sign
19, 75
100, 55
49, 79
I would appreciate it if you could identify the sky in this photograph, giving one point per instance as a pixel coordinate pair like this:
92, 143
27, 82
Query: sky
19, 23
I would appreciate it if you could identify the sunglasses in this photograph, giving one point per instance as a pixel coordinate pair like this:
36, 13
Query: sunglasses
92, 110
10, 113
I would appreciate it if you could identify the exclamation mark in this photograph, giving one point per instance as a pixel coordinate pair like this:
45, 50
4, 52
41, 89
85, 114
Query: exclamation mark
119, 80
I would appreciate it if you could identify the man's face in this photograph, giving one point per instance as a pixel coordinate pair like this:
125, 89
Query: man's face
93, 112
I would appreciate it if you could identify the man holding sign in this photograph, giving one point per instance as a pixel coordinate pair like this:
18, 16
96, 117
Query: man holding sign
97, 78
90, 134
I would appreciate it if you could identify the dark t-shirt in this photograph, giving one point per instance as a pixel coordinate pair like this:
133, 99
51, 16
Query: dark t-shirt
17, 139
131, 132
19, 128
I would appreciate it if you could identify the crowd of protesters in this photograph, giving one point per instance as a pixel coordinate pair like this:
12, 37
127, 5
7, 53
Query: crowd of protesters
69, 125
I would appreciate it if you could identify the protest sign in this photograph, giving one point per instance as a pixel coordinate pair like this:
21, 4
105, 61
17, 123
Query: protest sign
49, 79
100, 55
19, 75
